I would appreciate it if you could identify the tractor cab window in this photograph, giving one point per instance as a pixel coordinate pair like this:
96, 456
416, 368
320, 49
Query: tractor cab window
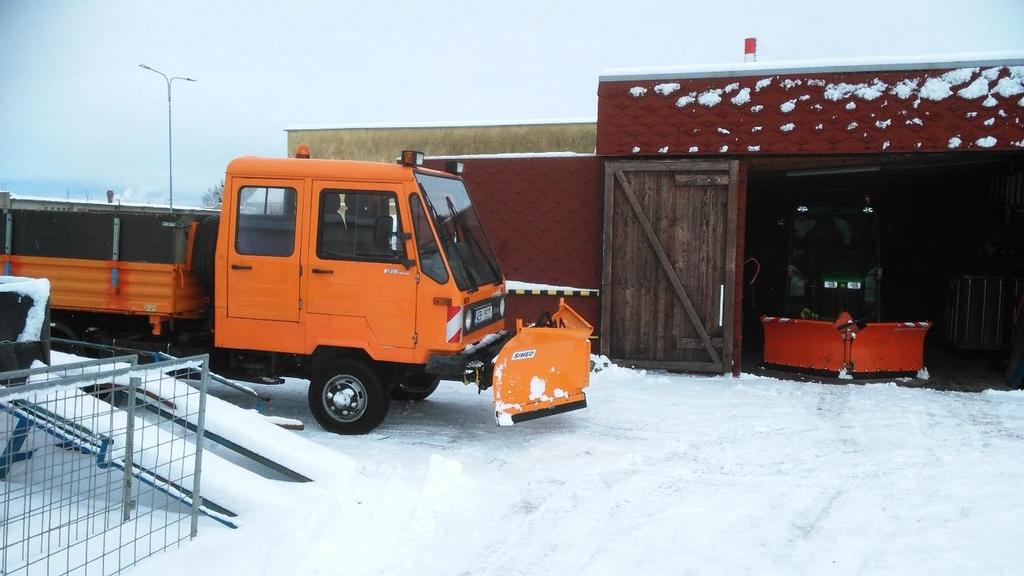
833, 240
265, 221
359, 225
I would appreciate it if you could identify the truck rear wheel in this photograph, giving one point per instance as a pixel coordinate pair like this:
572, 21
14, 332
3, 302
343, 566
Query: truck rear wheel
348, 397
416, 387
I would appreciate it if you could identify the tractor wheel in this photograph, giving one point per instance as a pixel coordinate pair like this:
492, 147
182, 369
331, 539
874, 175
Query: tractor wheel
348, 397
416, 388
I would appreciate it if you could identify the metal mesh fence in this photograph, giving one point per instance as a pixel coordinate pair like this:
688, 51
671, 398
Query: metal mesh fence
99, 463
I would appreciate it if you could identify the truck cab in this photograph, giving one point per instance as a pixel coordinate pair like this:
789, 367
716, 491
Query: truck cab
371, 279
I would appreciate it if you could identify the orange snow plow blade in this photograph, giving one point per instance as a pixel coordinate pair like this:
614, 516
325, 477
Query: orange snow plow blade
543, 369
889, 347
841, 346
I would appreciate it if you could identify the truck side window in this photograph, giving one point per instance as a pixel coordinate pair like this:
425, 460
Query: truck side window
348, 219
430, 256
266, 221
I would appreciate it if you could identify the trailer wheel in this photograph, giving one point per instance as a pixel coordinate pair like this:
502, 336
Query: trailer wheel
348, 397
416, 388
204, 251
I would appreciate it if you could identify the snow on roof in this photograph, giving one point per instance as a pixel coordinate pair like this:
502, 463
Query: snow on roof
873, 64
32, 202
565, 154
440, 124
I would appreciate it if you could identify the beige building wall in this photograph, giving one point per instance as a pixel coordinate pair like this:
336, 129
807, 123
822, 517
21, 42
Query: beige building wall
385, 144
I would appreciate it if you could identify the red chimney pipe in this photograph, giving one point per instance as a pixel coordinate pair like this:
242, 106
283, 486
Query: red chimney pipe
750, 49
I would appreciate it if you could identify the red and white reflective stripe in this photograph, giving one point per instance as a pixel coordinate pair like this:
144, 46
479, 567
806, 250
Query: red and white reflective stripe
453, 329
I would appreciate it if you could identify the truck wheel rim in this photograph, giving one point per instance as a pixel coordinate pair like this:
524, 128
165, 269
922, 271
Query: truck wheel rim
344, 398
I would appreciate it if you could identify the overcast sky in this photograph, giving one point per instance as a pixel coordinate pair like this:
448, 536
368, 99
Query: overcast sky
78, 116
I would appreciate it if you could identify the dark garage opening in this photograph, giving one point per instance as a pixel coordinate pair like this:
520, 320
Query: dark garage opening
949, 242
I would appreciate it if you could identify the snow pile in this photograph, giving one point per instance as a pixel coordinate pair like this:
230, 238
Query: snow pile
661, 474
954, 142
741, 97
905, 88
787, 106
666, 89
711, 98
637, 91
38, 290
1008, 86
788, 127
960, 75
977, 89
686, 100
935, 89
986, 142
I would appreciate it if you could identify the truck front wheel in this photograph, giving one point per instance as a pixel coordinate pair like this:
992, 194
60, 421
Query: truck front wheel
348, 397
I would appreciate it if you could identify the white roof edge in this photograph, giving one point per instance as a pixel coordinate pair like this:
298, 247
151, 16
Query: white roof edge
443, 124
565, 154
871, 64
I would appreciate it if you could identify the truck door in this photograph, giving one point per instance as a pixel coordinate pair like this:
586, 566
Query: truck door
355, 275
264, 253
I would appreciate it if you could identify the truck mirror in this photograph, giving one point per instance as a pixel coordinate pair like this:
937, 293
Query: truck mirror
382, 232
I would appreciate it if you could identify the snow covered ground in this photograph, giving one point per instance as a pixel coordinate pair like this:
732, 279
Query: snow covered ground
662, 474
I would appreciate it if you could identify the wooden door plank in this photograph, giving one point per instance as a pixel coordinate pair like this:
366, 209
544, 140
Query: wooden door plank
680, 365
606, 259
672, 166
702, 179
732, 213
667, 267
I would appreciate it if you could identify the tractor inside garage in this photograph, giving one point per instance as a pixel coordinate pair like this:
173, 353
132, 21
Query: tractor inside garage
891, 239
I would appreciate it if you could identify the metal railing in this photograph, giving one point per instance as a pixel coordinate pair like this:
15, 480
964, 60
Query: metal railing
96, 471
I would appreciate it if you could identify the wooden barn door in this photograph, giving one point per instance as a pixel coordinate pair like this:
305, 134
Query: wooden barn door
669, 264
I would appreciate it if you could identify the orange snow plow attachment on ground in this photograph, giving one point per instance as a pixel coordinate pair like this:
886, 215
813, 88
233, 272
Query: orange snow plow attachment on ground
543, 369
844, 347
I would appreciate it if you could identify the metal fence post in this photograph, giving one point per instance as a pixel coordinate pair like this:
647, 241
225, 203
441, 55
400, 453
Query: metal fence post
127, 503
197, 498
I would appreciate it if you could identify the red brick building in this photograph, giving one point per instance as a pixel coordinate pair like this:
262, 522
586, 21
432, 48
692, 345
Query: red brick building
694, 167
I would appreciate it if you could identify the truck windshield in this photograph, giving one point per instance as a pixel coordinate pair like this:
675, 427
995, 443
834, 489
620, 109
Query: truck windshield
458, 227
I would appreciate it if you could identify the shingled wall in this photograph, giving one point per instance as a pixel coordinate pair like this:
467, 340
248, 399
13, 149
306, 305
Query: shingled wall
543, 217
813, 112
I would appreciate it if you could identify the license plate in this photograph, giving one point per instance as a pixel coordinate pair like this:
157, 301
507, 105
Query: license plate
482, 315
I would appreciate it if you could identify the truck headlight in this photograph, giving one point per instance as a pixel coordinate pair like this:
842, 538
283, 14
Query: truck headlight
853, 285
501, 307
467, 321
830, 284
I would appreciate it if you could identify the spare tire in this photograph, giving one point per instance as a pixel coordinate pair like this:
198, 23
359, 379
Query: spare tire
204, 251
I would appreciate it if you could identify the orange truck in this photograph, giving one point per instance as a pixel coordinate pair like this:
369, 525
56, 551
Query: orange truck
373, 280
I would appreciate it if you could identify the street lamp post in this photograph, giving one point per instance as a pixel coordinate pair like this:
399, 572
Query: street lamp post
170, 154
